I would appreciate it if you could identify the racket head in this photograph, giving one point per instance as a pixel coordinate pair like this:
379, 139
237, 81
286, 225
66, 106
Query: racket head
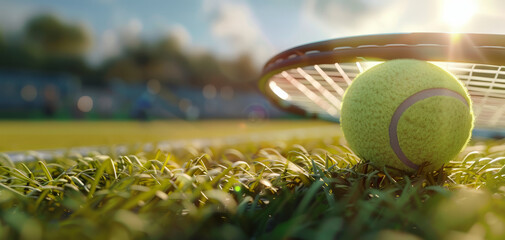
311, 79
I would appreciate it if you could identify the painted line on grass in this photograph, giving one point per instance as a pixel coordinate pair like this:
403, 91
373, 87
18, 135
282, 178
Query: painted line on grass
171, 145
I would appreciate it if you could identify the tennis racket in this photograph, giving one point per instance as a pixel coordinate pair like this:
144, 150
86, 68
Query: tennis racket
311, 79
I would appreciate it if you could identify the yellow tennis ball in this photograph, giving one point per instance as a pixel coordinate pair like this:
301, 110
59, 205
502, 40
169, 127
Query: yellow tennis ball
403, 113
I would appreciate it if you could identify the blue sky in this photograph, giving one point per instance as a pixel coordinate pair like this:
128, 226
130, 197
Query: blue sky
230, 27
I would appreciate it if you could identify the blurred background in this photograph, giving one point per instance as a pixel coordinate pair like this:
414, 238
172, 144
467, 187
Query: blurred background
129, 60
195, 59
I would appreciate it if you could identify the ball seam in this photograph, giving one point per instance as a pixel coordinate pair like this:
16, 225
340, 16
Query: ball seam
395, 119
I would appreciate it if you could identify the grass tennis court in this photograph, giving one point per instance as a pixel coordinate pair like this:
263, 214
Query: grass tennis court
300, 187
33, 135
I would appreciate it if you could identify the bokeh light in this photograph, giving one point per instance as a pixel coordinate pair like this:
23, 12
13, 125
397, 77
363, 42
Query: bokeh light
28, 93
85, 104
184, 104
51, 92
192, 112
209, 91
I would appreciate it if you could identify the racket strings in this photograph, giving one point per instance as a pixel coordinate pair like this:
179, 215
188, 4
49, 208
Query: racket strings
319, 89
486, 86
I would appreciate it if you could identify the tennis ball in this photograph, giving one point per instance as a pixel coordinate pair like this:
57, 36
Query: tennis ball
403, 113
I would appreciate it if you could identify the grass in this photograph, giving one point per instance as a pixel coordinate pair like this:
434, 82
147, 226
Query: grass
292, 189
29, 135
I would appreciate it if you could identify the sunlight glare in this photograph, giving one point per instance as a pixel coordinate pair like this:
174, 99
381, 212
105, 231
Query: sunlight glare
278, 91
456, 13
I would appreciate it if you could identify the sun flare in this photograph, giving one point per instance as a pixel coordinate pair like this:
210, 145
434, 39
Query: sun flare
457, 13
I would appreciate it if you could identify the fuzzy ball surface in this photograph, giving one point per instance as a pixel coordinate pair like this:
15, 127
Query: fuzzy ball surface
406, 113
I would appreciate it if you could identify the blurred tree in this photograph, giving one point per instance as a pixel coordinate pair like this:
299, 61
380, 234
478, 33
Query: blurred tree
169, 46
241, 72
172, 63
123, 68
2, 41
49, 34
205, 69
50, 45
166, 61
16, 56
245, 68
162, 60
